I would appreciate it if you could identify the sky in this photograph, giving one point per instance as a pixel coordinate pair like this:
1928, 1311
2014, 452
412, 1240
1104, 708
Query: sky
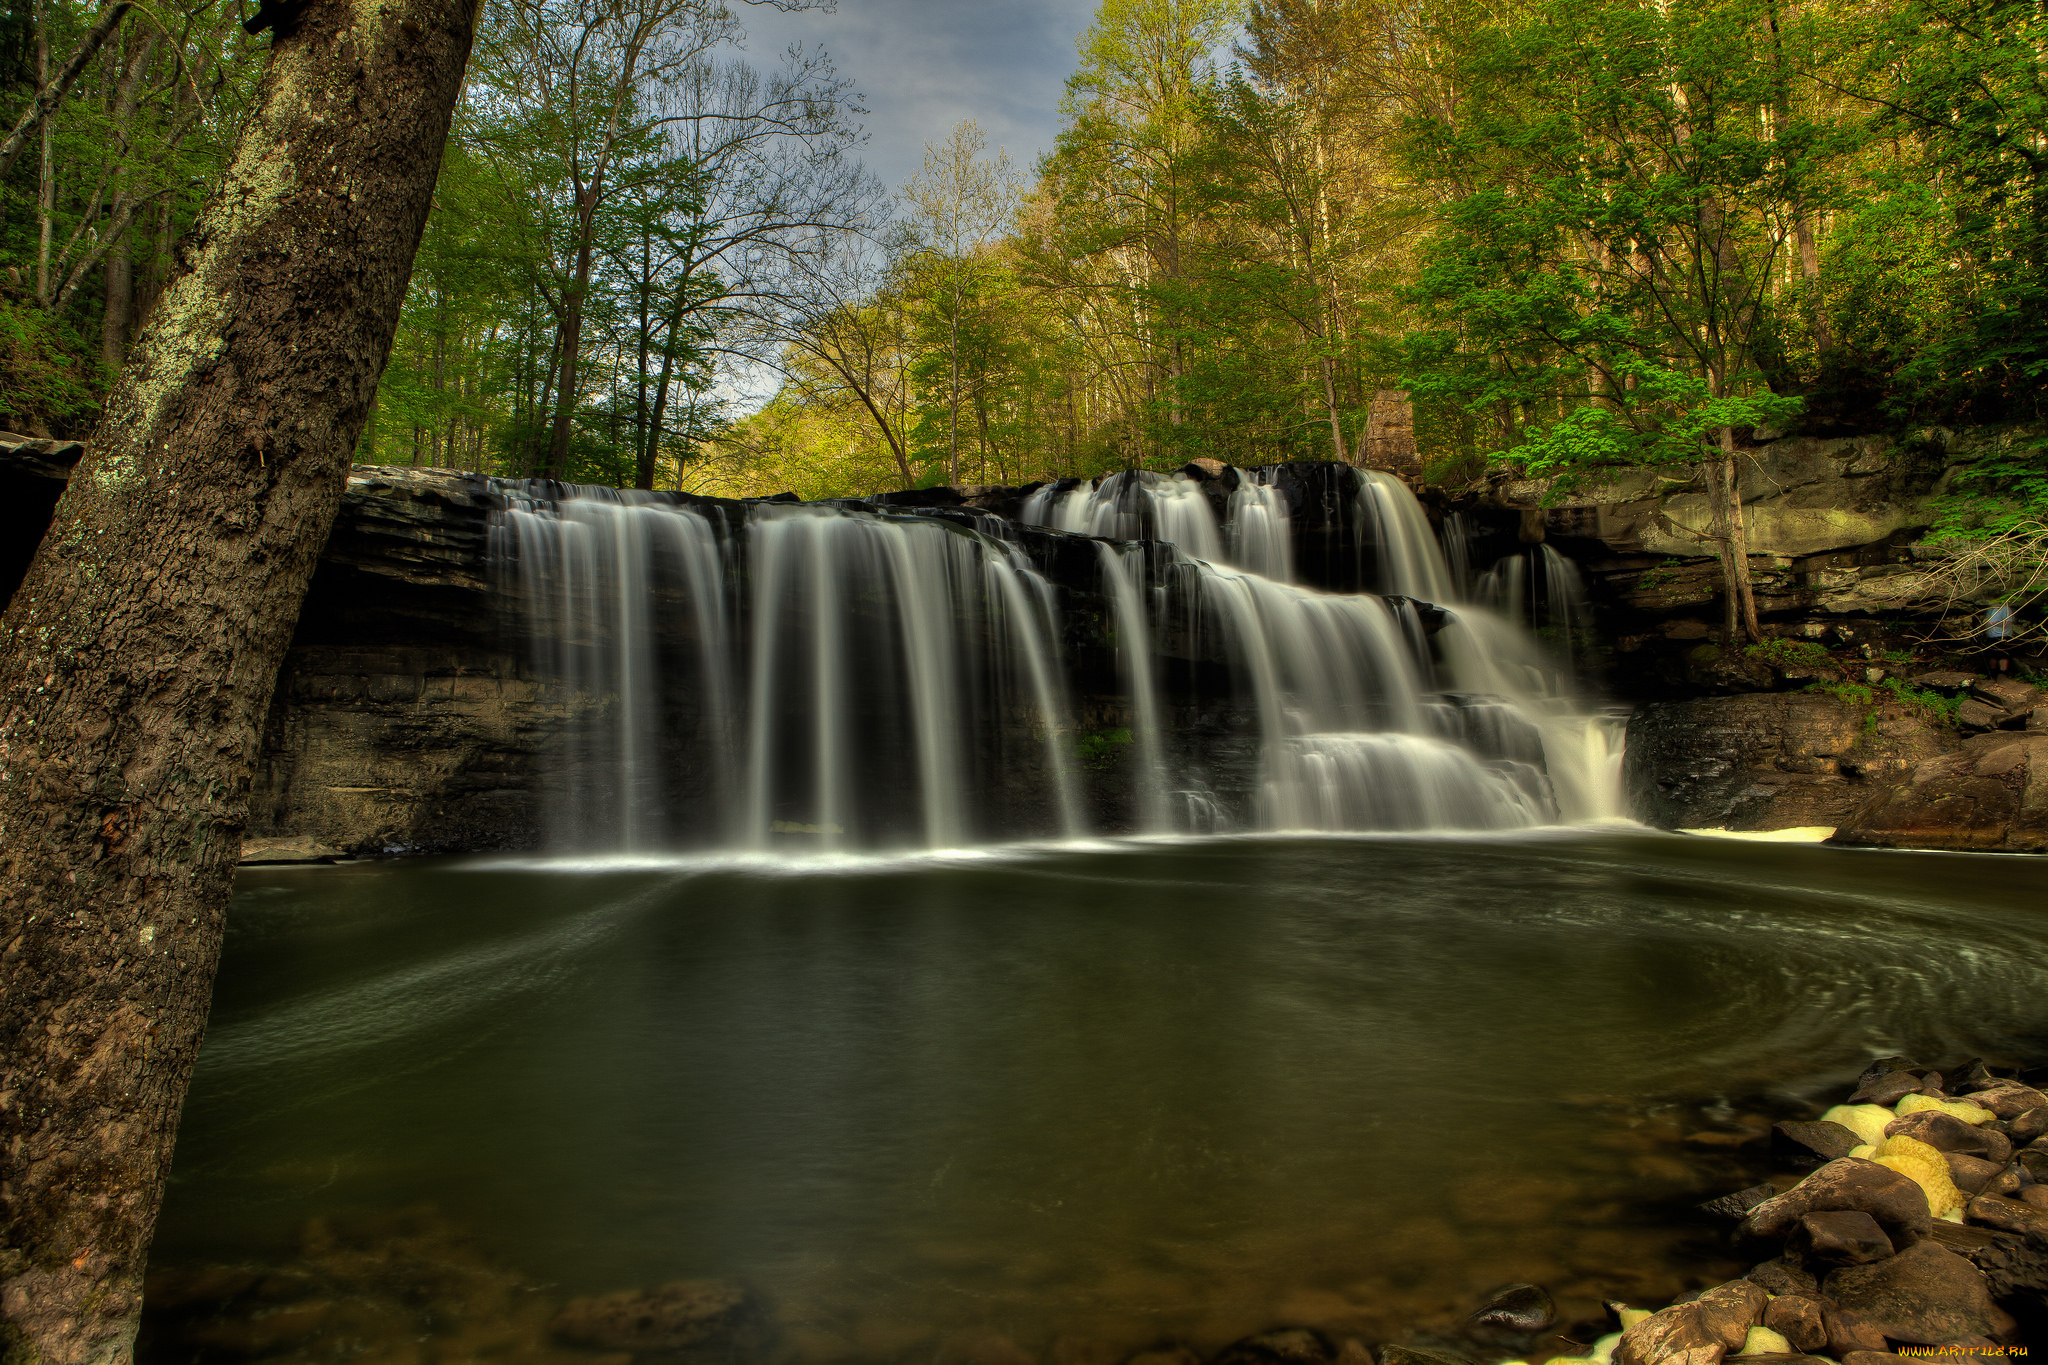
923, 65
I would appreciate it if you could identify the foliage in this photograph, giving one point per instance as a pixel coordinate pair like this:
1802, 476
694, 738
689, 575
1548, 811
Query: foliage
1099, 748
1788, 654
44, 370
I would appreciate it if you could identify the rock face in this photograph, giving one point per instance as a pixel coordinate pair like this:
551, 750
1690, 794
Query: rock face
404, 718
1991, 792
1766, 760
1803, 497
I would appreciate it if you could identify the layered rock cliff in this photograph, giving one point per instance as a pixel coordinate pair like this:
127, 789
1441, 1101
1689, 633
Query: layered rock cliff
406, 716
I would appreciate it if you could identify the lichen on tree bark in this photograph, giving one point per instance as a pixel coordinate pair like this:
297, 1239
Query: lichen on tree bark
138, 657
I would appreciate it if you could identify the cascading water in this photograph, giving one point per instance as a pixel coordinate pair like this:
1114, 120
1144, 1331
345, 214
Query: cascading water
842, 662
844, 676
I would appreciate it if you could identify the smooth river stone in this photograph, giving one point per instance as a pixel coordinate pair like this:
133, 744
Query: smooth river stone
1894, 1200
1925, 1294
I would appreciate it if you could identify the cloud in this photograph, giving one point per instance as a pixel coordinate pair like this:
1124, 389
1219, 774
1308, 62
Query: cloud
923, 65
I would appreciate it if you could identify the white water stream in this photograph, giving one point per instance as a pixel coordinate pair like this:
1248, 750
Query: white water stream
845, 677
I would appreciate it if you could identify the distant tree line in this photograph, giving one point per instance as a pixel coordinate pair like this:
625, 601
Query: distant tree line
1580, 233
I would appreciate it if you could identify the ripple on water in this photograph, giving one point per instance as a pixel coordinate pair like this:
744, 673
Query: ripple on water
1116, 1091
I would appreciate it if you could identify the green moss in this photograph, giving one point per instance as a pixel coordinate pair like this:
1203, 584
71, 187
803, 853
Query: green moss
1703, 654
1099, 748
1789, 654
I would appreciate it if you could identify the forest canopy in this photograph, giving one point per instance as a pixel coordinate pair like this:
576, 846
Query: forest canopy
1578, 233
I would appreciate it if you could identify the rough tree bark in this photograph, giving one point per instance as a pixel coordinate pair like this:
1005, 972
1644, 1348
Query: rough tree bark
138, 657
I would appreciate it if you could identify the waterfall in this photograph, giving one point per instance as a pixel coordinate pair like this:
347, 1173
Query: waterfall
765, 675
1259, 530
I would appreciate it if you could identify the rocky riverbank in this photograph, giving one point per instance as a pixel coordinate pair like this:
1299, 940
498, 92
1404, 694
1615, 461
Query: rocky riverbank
1911, 1220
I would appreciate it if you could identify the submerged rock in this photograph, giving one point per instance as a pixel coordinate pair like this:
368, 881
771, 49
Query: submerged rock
1518, 1308
678, 1316
1283, 1346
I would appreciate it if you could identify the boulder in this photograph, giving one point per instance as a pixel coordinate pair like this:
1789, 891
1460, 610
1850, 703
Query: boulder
2008, 694
1786, 1276
1731, 1309
1736, 1206
1852, 1183
1947, 1133
1887, 1089
2010, 1215
1674, 1336
2028, 1126
1842, 1237
679, 1316
1802, 1321
2007, 1099
1517, 1308
1925, 1294
1971, 1174
1850, 1331
1820, 1141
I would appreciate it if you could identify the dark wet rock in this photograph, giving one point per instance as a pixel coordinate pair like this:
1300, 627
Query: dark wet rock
1947, 1133
1517, 1308
2007, 1099
1730, 1310
1800, 1320
1282, 1346
1879, 1357
1736, 1206
1884, 1066
1787, 1276
1850, 1331
1925, 1294
1887, 1089
1967, 1076
2028, 1126
1842, 1237
2010, 1215
1421, 1355
1354, 1352
2035, 1160
678, 1316
1970, 1173
1810, 1142
2036, 1195
1851, 1183
1782, 1358
2015, 1269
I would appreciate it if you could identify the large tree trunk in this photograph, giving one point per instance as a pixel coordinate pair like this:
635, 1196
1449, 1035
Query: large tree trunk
138, 657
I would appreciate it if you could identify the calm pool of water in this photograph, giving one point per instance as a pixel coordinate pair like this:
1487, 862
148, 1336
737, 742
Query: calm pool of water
1118, 1094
